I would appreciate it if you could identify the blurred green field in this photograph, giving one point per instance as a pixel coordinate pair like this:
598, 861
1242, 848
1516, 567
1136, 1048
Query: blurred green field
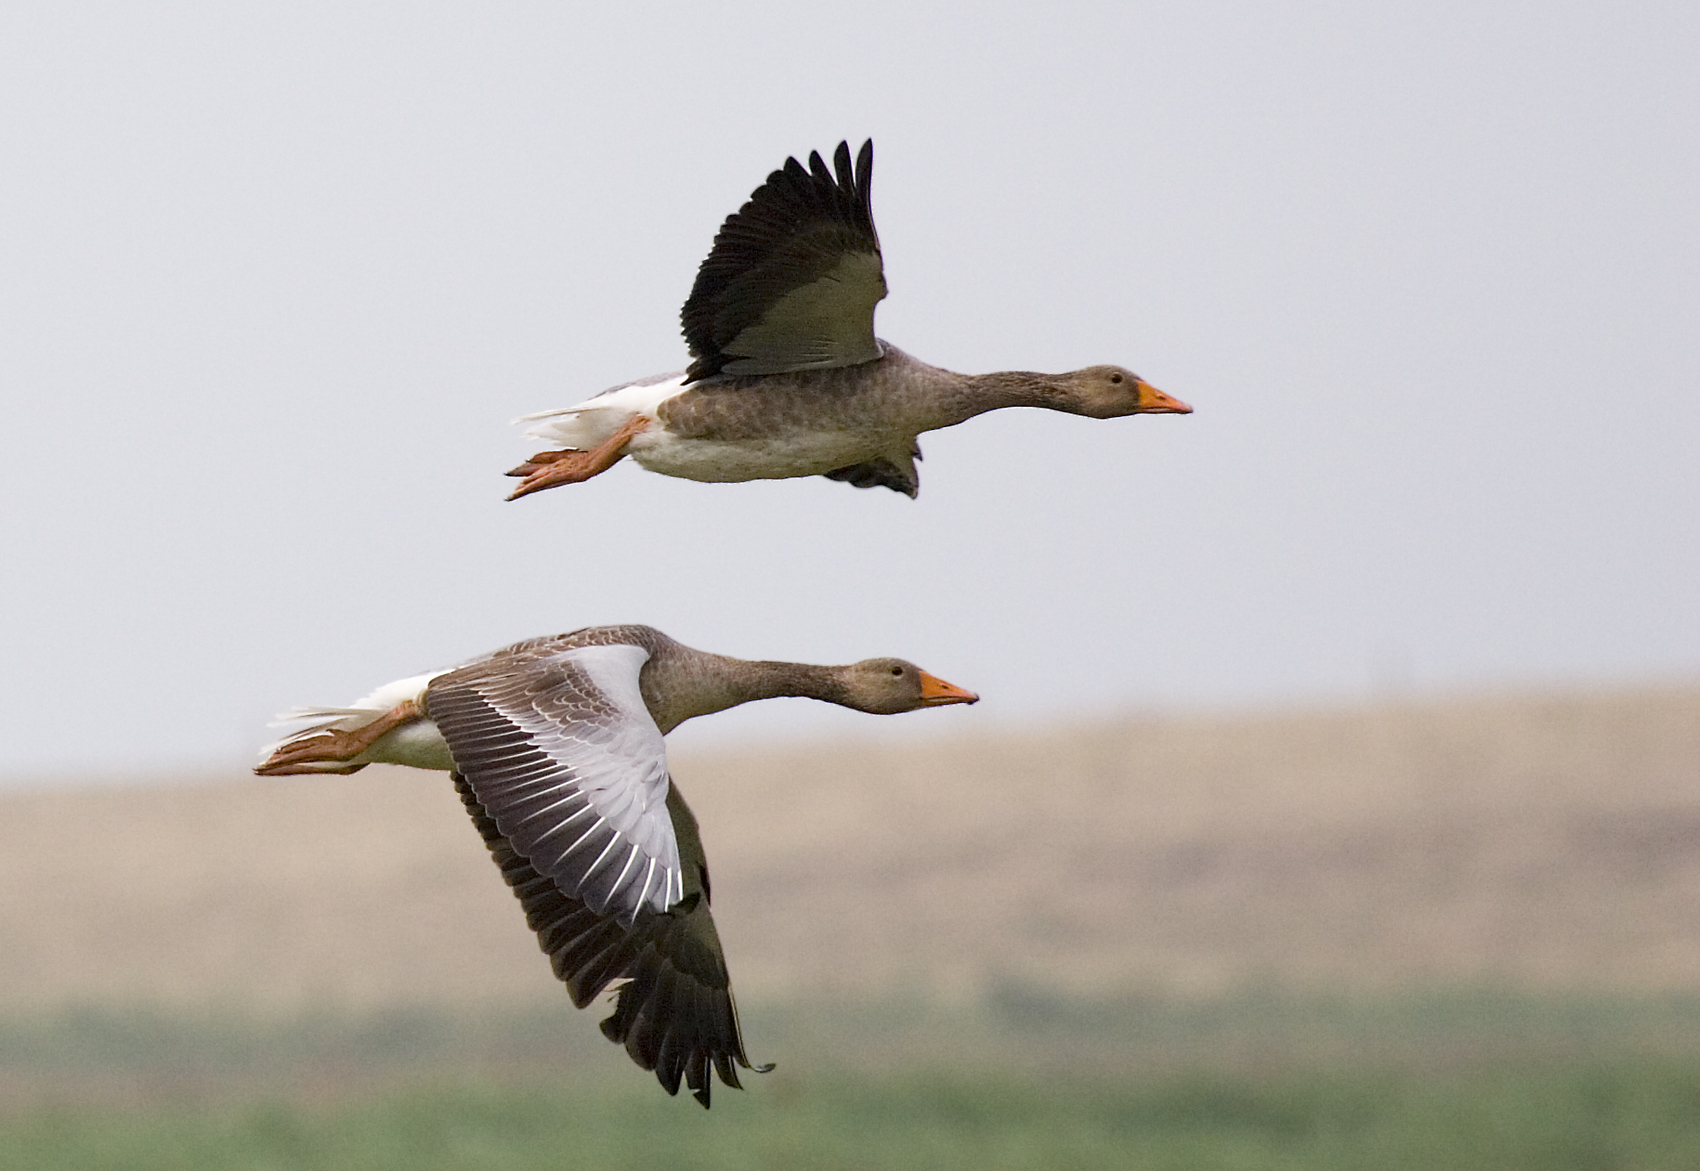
1457, 1080
1619, 1115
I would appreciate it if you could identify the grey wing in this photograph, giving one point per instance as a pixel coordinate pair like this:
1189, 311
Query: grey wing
673, 1011
793, 277
564, 757
883, 473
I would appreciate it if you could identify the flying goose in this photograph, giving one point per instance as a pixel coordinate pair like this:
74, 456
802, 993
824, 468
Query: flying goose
787, 377
555, 746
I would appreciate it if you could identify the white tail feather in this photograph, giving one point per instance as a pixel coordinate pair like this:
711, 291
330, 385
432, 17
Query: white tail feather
362, 711
554, 414
593, 421
331, 714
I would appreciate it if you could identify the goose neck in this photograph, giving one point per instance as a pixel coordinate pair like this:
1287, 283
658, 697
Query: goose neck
975, 394
700, 684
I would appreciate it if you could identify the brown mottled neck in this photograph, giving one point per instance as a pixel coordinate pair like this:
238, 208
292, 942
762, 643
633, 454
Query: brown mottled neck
680, 683
936, 397
975, 394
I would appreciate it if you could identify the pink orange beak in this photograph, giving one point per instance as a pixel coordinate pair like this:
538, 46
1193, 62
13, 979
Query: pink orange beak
1154, 402
935, 692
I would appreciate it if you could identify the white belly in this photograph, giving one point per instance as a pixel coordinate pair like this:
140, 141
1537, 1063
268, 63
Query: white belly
730, 461
417, 745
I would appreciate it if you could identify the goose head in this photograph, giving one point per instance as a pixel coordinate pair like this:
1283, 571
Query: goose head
1109, 392
887, 686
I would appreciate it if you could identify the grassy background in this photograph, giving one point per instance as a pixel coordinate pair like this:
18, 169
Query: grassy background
1457, 1079
1442, 935
1616, 1115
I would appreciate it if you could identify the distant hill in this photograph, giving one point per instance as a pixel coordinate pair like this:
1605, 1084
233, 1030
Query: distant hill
1550, 842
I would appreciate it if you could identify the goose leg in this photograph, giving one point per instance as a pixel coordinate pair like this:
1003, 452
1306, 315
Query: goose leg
337, 744
549, 468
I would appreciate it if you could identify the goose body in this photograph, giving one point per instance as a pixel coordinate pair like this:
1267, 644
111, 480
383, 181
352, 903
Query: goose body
787, 377
762, 427
556, 748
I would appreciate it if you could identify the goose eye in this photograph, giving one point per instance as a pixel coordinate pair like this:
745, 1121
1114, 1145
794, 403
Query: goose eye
897, 670
1116, 379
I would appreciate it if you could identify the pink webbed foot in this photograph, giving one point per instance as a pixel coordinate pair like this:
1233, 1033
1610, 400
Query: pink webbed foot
548, 469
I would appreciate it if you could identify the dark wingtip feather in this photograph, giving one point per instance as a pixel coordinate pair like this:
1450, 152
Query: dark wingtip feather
722, 302
865, 177
611, 1029
673, 1012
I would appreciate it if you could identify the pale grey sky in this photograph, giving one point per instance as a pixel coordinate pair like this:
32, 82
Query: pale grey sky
276, 277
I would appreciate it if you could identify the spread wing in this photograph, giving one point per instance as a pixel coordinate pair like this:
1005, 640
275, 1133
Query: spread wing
563, 756
674, 1014
793, 277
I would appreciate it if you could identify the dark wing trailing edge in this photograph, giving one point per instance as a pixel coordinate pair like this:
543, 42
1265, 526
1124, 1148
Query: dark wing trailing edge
883, 473
674, 1014
565, 758
793, 277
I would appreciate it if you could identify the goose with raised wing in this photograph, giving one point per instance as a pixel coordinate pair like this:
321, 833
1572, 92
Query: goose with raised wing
787, 378
555, 746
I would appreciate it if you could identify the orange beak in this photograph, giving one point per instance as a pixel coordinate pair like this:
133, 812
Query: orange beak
935, 692
1154, 402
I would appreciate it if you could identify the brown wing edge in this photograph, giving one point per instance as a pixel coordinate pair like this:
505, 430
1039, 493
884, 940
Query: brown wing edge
674, 1013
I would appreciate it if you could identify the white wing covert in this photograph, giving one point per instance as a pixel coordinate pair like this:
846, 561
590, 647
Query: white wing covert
563, 755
